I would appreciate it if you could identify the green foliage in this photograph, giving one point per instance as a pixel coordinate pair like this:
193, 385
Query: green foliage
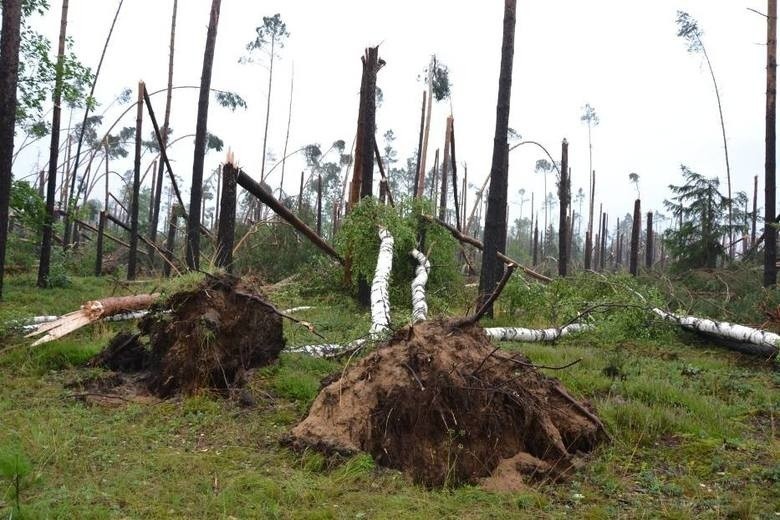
702, 211
27, 205
230, 100
273, 32
358, 240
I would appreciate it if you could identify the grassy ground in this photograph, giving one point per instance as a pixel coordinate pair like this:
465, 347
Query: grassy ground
694, 434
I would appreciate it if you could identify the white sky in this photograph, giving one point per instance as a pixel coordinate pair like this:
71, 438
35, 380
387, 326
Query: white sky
655, 100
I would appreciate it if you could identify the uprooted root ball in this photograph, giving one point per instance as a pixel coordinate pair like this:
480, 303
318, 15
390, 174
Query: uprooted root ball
445, 406
205, 338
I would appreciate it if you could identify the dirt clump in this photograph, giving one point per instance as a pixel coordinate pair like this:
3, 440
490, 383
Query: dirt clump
445, 406
198, 339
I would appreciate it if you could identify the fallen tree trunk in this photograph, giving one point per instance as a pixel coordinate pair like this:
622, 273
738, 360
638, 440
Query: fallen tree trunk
419, 304
534, 335
476, 243
380, 299
737, 337
90, 312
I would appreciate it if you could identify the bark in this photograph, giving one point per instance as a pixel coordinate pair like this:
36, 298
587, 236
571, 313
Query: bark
445, 165
268, 106
91, 311
75, 194
770, 233
363, 175
385, 180
454, 167
466, 239
755, 213
589, 234
633, 263
649, 252
536, 245
199, 155
495, 221
45, 260
99, 255
319, 205
170, 239
266, 198
421, 272
166, 124
9, 76
300, 195
534, 335
380, 298
603, 254
133, 256
227, 219
419, 178
564, 197
739, 337
421, 161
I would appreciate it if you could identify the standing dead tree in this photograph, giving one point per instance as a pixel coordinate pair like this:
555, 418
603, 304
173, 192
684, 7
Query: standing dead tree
770, 232
227, 214
633, 264
363, 174
564, 196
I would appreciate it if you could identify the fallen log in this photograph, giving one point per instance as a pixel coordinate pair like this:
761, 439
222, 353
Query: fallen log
534, 335
90, 312
737, 337
419, 304
476, 243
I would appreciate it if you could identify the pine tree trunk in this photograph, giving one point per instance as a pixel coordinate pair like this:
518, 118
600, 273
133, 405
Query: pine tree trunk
133, 256
199, 155
99, 247
268, 107
770, 233
649, 252
564, 197
319, 205
419, 178
426, 134
454, 167
633, 265
287, 135
48, 227
495, 222
227, 216
170, 240
9, 76
445, 166
166, 124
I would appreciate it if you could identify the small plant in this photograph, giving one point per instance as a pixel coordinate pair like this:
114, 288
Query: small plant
14, 466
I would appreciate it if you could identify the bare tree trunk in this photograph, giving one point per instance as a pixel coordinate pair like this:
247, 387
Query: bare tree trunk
633, 265
364, 152
564, 197
227, 219
770, 233
9, 76
458, 220
604, 233
495, 221
45, 260
300, 196
535, 260
268, 107
445, 166
287, 135
435, 181
755, 212
419, 175
319, 205
422, 159
199, 155
132, 258
589, 233
99, 247
165, 129
170, 240
649, 252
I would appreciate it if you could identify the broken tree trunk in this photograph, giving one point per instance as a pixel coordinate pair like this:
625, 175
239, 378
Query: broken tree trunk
419, 303
564, 195
633, 264
227, 215
445, 165
91, 312
649, 252
250, 185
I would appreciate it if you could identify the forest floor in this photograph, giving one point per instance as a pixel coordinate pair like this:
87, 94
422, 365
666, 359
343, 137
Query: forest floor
694, 432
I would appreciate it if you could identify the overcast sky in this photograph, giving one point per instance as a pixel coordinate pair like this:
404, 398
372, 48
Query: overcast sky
655, 101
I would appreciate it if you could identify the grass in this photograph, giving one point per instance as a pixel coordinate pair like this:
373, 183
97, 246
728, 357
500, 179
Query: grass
693, 434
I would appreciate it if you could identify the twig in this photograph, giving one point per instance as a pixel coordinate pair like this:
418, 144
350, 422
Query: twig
276, 311
415, 376
560, 391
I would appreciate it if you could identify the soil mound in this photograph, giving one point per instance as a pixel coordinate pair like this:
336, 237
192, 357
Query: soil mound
445, 406
205, 338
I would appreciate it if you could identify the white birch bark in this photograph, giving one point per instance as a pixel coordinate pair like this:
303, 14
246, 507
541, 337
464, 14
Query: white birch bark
534, 335
754, 340
380, 299
419, 304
